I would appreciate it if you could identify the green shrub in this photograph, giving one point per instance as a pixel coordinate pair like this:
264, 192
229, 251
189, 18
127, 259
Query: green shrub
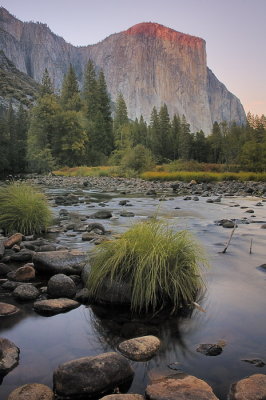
23, 209
162, 267
139, 158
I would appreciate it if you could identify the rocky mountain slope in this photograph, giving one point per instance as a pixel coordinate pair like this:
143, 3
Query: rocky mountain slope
15, 86
149, 63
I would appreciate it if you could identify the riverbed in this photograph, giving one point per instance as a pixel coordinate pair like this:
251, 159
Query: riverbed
234, 299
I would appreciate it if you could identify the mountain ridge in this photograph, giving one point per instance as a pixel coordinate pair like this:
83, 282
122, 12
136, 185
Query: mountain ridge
148, 63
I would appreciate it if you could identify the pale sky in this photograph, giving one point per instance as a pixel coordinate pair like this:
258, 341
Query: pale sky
234, 31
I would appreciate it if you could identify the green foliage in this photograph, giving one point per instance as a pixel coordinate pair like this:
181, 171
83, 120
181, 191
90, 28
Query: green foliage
163, 267
70, 98
138, 158
23, 209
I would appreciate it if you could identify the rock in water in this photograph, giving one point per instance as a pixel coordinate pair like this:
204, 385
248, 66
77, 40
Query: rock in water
180, 388
8, 309
61, 285
55, 306
91, 376
59, 262
33, 391
141, 348
166, 67
9, 355
251, 388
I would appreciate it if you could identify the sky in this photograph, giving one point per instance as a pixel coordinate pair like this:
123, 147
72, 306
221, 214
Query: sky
234, 31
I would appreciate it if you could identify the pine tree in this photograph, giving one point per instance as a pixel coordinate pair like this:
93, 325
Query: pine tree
175, 136
46, 85
154, 134
104, 108
185, 143
90, 96
121, 122
70, 97
21, 127
164, 140
4, 144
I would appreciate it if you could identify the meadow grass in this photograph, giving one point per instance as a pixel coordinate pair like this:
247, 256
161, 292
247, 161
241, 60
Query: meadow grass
200, 176
163, 267
23, 209
86, 171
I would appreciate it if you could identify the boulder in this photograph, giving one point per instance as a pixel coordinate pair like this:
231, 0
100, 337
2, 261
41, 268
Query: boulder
22, 256
59, 262
96, 226
61, 285
91, 376
26, 292
102, 214
2, 247
4, 269
127, 214
182, 387
8, 309
14, 239
9, 356
55, 306
83, 296
141, 348
32, 391
89, 236
210, 349
25, 273
250, 388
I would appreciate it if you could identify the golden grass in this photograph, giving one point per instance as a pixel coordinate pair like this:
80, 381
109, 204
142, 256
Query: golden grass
201, 176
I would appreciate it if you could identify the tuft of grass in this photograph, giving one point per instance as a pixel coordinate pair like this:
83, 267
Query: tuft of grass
163, 267
23, 209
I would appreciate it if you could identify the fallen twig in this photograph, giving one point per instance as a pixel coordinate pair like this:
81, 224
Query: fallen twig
226, 247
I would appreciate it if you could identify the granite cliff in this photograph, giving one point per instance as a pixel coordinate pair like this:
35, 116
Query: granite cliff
149, 63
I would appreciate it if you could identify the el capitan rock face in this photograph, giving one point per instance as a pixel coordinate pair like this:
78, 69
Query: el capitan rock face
149, 63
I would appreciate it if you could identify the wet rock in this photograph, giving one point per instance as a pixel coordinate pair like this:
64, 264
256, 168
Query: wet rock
12, 240
10, 286
187, 198
123, 397
209, 201
195, 198
250, 211
8, 309
263, 226
151, 192
115, 293
83, 296
181, 387
9, 356
23, 256
55, 262
175, 186
228, 224
123, 202
95, 226
63, 212
141, 348
127, 214
26, 292
32, 391
2, 248
25, 273
4, 269
251, 388
88, 237
257, 362
102, 214
210, 349
47, 247
61, 285
55, 306
90, 376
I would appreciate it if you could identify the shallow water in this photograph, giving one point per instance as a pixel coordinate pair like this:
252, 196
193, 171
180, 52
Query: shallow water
234, 301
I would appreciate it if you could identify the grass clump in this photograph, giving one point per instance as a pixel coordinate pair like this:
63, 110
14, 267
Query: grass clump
163, 267
23, 209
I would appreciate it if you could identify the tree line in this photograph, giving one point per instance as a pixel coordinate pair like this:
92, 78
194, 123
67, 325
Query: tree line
82, 127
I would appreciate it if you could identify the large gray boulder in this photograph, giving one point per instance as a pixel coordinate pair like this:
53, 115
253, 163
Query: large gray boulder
9, 355
91, 376
182, 387
250, 388
59, 262
32, 391
61, 285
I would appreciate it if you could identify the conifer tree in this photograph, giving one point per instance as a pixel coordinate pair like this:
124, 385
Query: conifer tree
185, 142
70, 97
175, 136
164, 142
46, 85
121, 122
90, 92
154, 134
